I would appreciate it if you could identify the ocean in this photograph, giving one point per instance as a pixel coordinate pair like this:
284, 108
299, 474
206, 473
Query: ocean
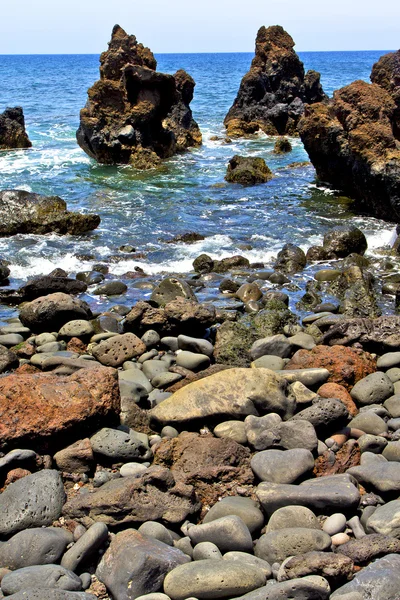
188, 193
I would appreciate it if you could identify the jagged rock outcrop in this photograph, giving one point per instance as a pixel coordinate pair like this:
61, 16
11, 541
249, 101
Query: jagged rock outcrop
353, 141
24, 212
272, 94
12, 129
134, 114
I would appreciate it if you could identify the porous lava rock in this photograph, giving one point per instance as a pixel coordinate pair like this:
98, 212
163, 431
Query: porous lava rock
134, 114
43, 409
376, 335
24, 212
248, 170
12, 129
353, 141
272, 94
346, 366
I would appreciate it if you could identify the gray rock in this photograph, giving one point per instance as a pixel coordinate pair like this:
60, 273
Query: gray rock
297, 434
135, 564
303, 588
374, 388
149, 355
292, 516
371, 443
33, 501
10, 339
282, 466
132, 380
132, 469
77, 328
249, 559
369, 422
212, 579
51, 312
50, 594
392, 405
164, 380
380, 580
242, 507
192, 361
45, 338
324, 414
375, 470
206, 550
393, 374
228, 533
157, 531
302, 340
52, 347
76, 458
16, 328
16, 457
234, 430
330, 493
268, 361
263, 432
111, 288
151, 368
392, 451
8, 360
385, 520
46, 576
37, 546
93, 539
118, 349
170, 342
169, 432
309, 377
388, 360
336, 523
197, 345
170, 289
275, 345
119, 445
151, 338
276, 546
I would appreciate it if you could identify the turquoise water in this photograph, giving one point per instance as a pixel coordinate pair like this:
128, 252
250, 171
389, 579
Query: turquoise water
187, 193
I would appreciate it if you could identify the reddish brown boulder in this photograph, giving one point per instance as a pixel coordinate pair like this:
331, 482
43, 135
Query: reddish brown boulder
334, 464
44, 410
216, 467
345, 365
334, 390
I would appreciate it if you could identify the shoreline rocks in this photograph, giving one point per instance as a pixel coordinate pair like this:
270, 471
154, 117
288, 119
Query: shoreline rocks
12, 130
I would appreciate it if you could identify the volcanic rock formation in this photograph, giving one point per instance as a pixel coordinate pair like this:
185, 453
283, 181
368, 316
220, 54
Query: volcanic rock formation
272, 94
134, 114
353, 141
12, 129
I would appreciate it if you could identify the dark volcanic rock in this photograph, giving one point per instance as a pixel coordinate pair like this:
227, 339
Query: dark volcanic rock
12, 129
50, 313
386, 73
248, 170
272, 94
40, 286
23, 212
352, 141
377, 335
134, 114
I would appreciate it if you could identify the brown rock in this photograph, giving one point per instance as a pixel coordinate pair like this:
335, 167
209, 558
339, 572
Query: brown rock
346, 365
76, 345
336, 568
369, 547
118, 349
27, 369
51, 312
44, 410
216, 467
12, 129
154, 496
334, 390
16, 474
348, 456
386, 74
76, 458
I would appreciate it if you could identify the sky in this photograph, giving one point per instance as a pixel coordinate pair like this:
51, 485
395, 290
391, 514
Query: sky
174, 26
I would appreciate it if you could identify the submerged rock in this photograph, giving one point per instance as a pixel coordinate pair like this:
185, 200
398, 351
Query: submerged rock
248, 170
12, 129
134, 114
272, 94
24, 212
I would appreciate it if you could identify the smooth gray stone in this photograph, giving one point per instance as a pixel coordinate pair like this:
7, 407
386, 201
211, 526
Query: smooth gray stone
47, 576
371, 443
165, 379
392, 405
45, 338
331, 493
309, 377
242, 507
157, 531
130, 379
15, 328
315, 317
375, 470
303, 588
169, 431
38, 360
119, 445
150, 338
388, 360
11, 339
336, 523
228, 533
268, 361
249, 559
52, 347
205, 579
105, 335
275, 345
392, 451
369, 422
197, 345
394, 424
33, 501
374, 388
86, 579
302, 394
276, 546
93, 539
111, 288
323, 413
184, 545
154, 596
72, 363
17, 456
380, 580
356, 527
170, 342
263, 432
385, 519
297, 434
50, 594
169, 359
206, 550
37, 546
393, 374
292, 516
146, 356
282, 466
302, 340
233, 430
151, 368
192, 361
78, 328
132, 469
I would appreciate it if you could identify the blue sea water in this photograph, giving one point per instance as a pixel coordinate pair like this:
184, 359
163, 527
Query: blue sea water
187, 193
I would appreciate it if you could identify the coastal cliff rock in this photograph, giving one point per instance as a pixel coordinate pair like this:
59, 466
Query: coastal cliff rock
24, 212
272, 94
135, 114
353, 141
12, 129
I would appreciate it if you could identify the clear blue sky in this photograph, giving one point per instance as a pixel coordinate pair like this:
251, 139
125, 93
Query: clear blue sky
84, 26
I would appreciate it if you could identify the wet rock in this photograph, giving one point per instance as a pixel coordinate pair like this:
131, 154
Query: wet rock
12, 129
36, 546
248, 170
33, 501
277, 545
55, 408
344, 240
171, 288
282, 146
47, 576
233, 343
50, 313
110, 288
291, 259
355, 289
379, 580
42, 286
272, 94
24, 212
189, 237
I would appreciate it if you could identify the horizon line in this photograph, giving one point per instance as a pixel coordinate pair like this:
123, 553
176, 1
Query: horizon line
174, 53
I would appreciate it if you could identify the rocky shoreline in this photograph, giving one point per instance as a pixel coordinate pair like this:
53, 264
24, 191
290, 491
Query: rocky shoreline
178, 450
